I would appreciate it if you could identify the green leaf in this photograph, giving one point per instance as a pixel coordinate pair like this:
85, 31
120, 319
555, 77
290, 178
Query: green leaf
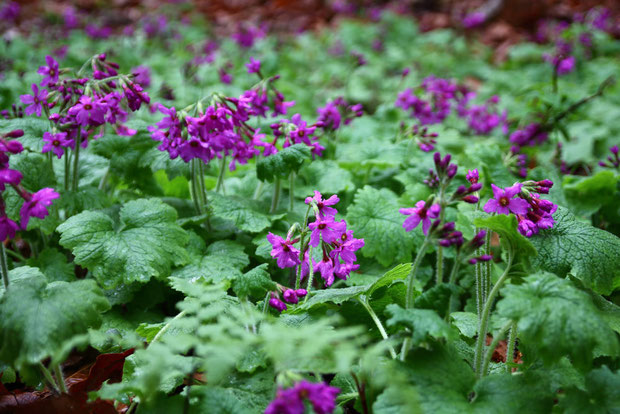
424, 323
256, 281
326, 176
39, 318
225, 260
374, 217
146, 245
588, 253
601, 394
466, 322
36, 170
280, 164
240, 211
555, 319
397, 400
53, 264
513, 394
589, 194
506, 227
398, 273
335, 296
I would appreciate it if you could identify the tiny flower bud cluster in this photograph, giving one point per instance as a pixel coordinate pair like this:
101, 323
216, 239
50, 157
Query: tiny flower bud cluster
612, 162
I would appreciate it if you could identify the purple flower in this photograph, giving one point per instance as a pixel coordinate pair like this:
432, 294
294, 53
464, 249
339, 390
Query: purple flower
287, 255
35, 101
472, 176
325, 228
277, 304
253, 66
7, 228
322, 205
326, 268
56, 143
290, 296
50, 72
473, 19
37, 205
135, 96
321, 396
418, 214
142, 75
8, 176
88, 111
504, 203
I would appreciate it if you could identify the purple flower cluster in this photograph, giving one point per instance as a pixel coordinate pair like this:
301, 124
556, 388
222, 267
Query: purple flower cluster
612, 161
533, 213
337, 243
295, 131
84, 104
321, 396
442, 96
35, 205
561, 59
247, 35
423, 212
533, 134
289, 296
337, 112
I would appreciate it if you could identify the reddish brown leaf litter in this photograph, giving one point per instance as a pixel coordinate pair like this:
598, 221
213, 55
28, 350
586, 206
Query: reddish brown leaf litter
499, 354
107, 367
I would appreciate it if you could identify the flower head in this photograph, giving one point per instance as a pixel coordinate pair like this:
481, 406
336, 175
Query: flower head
35, 101
321, 396
283, 250
420, 213
37, 205
504, 203
323, 205
56, 143
253, 66
50, 72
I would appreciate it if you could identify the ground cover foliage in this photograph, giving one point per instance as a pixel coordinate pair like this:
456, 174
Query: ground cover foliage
361, 219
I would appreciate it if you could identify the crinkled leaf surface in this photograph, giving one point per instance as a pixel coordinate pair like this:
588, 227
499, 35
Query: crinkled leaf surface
601, 394
224, 260
38, 317
146, 245
280, 164
577, 248
513, 394
240, 211
557, 319
424, 323
374, 217
256, 281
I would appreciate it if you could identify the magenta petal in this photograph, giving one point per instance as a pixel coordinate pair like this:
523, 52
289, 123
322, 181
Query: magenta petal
497, 192
513, 191
411, 222
518, 206
491, 206
426, 224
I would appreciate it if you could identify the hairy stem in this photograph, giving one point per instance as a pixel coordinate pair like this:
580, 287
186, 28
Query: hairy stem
60, 379
76, 160
291, 191
510, 349
484, 321
377, 322
48, 377
167, 326
498, 337
4, 268
310, 275
220, 178
67, 168
275, 200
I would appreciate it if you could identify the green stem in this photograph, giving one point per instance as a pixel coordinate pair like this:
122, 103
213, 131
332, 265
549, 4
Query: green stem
410, 289
377, 322
442, 215
16, 255
478, 276
414, 270
220, 177
310, 275
194, 186
510, 350
163, 330
498, 337
484, 321
76, 160
291, 190
67, 171
4, 268
259, 190
132, 407
276, 196
48, 377
60, 379
486, 268
452, 280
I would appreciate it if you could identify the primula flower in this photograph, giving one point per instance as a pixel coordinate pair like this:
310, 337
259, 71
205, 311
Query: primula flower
472, 176
56, 143
35, 101
418, 214
286, 254
277, 304
321, 396
37, 205
50, 72
253, 66
504, 203
88, 111
322, 205
325, 228
7, 228
8, 176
